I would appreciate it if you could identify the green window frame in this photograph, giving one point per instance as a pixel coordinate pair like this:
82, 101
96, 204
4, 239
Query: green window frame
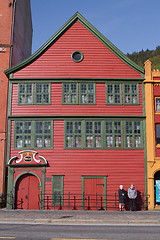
93, 134
57, 189
131, 94
87, 93
23, 134
73, 136
42, 93
25, 94
33, 134
34, 93
133, 134
79, 93
70, 93
113, 93
113, 134
103, 134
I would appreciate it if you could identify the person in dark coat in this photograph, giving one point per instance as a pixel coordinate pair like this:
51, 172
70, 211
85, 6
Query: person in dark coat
122, 196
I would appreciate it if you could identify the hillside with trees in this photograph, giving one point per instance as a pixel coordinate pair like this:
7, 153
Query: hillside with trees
142, 56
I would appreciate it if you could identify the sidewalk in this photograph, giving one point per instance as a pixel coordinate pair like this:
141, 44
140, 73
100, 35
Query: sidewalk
79, 217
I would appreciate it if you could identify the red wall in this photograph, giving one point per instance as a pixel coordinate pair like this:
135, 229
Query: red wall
98, 62
121, 166
56, 107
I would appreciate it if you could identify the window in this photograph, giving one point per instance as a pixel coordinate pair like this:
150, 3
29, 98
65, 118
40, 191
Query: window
43, 134
77, 56
93, 135
113, 94
73, 135
87, 93
103, 134
42, 93
158, 134
33, 134
131, 94
25, 93
37, 93
57, 190
157, 104
23, 134
133, 134
70, 93
78, 93
113, 134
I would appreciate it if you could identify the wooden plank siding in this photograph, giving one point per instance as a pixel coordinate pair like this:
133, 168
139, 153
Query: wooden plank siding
121, 166
98, 62
56, 107
100, 65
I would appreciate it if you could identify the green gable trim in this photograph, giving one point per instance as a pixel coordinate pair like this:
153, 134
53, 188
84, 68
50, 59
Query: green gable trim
76, 17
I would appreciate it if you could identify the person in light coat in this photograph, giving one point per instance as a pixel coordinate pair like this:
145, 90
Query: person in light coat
132, 194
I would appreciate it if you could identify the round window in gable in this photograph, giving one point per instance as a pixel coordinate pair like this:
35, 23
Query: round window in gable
77, 56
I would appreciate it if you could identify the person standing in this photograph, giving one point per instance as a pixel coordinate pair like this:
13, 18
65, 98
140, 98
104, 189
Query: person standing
121, 195
132, 194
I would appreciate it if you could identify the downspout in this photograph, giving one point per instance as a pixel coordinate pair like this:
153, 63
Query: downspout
12, 33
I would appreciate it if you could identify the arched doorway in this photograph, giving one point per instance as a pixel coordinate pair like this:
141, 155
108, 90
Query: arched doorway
27, 192
157, 188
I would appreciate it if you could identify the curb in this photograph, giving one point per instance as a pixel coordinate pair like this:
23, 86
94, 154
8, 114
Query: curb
80, 221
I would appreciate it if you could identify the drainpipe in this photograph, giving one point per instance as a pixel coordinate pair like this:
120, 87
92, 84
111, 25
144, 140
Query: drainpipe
12, 32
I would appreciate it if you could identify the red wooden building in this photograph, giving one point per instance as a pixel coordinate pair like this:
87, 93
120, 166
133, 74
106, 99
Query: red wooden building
76, 123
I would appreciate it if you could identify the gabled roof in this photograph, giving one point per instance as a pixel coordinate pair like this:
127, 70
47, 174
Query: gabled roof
76, 17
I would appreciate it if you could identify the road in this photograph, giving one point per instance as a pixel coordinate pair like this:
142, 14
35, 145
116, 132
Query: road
52, 232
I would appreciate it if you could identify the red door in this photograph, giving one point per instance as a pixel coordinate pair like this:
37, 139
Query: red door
27, 192
94, 188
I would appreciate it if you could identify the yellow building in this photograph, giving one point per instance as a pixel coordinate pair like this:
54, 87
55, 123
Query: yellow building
152, 99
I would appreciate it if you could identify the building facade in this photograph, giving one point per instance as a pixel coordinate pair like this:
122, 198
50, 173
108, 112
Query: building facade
76, 123
15, 46
152, 91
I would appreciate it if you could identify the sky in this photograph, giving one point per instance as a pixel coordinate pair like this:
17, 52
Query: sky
131, 25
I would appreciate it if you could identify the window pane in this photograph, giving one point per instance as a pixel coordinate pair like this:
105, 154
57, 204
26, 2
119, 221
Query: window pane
73, 135
113, 93
89, 141
70, 95
78, 142
39, 127
27, 141
133, 134
39, 141
25, 94
42, 93
47, 141
87, 93
69, 141
43, 129
19, 142
109, 141
158, 133
131, 93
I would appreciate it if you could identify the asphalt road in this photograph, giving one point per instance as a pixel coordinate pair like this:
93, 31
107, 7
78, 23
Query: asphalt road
52, 232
